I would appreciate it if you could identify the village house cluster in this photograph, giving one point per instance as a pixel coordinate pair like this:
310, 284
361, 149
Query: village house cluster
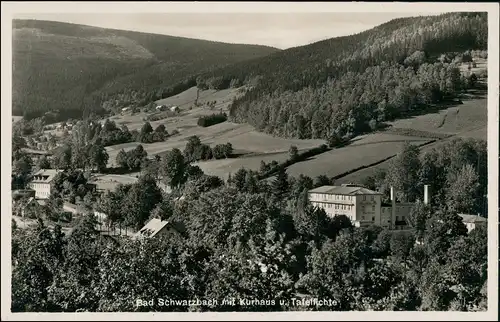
364, 207
40, 188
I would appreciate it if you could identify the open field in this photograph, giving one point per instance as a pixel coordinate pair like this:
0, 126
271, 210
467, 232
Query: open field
358, 176
187, 98
222, 168
111, 181
243, 137
364, 150
188, 115
467, 119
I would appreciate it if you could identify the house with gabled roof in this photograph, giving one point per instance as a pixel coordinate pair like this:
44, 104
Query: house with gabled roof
42, 182
27, 206
473, 221
157, 227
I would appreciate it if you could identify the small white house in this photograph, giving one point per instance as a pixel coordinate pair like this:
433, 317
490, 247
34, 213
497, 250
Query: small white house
473, 221
157, 227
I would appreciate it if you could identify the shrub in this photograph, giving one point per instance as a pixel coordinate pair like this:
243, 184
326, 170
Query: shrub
66, 216
213, 119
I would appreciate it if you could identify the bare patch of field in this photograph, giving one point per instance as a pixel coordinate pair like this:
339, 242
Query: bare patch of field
189, 113
109, 182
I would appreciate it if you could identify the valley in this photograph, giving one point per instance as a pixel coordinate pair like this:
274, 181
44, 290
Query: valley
468, 119
353, 169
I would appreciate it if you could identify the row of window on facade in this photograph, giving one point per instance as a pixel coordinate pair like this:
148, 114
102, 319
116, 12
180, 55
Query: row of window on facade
397, 218
341, 207
389, 209
40, 185
341, 197
331, 205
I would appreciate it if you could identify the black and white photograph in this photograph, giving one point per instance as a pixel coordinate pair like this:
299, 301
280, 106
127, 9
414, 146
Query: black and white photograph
223, 159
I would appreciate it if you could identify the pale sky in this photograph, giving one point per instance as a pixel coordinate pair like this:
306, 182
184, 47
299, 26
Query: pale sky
281, 30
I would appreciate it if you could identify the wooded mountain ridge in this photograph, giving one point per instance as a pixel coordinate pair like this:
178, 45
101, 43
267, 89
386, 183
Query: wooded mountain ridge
330, 89
343, 86
70, 68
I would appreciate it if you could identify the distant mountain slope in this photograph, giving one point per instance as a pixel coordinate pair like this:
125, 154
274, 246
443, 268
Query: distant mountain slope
393, 41
346, 85
71, 68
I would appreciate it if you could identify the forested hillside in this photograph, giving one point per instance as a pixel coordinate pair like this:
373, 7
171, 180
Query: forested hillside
343, 86
259, 241
69, 68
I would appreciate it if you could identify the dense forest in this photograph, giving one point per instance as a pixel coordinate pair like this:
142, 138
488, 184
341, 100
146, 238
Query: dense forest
347, 85
68, 69
259, 241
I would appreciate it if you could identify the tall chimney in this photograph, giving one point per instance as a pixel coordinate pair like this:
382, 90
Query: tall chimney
426, 194
393, 207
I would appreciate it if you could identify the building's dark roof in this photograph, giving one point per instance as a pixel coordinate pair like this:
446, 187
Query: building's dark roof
45, 175
344, 190
472, 218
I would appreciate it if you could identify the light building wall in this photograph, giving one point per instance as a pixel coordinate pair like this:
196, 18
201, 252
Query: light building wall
360, 205
363, 206
42, 182
42, 190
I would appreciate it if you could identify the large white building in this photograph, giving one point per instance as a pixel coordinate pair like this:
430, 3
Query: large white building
363, 206
360, 205
42, 182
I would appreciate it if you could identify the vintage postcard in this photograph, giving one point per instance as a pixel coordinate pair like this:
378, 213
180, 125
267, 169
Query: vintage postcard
252, 160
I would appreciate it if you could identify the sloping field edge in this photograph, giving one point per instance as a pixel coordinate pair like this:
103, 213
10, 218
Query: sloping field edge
339, 176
